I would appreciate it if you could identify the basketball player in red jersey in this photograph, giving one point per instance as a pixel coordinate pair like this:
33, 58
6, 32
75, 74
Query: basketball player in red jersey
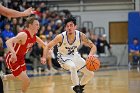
18, 46
12, 13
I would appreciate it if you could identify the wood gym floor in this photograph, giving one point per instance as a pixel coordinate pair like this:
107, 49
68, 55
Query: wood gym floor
106, 80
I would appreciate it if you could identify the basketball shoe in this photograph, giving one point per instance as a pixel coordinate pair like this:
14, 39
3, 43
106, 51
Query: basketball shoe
79, 88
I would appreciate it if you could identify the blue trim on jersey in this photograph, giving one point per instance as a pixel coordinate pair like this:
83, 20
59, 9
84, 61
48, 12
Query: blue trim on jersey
62, 40
60, 59
68, 40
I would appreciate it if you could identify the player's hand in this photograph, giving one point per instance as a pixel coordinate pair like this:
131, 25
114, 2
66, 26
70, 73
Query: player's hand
137, 52
28, 11
92, 55
13, 58
43, 60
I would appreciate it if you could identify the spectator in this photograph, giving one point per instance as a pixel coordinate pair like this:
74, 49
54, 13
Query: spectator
101, 45
42, 7
51, 35
53, 25
6, 34
48, 29
15, 26
35, 55
44, 19
21, 24
134, 51
59, 26
50, 56
42, 30
94, 38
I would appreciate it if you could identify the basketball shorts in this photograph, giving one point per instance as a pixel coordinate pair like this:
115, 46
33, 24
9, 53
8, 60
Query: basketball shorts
75, 58
16, 67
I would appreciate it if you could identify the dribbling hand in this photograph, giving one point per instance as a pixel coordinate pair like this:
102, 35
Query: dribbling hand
43, 60
92, 55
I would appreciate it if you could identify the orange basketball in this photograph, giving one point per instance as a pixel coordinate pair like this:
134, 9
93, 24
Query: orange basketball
92, 63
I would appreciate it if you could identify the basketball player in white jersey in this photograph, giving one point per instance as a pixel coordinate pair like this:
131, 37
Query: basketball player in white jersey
68, 57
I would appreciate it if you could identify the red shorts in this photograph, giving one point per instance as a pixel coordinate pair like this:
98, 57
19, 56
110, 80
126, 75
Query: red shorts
16, 67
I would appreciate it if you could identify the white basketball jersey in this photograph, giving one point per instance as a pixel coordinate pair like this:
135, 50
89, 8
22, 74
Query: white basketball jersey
69, 49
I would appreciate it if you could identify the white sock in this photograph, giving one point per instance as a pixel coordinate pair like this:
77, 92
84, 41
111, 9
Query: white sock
86, 78
74, 76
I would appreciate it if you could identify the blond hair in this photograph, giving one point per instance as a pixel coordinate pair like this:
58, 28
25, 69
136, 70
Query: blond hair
30, 20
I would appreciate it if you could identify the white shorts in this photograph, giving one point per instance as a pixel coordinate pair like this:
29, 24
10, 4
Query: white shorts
70, 59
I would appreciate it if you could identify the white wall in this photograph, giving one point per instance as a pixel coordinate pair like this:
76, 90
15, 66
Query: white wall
137, 6
102, 19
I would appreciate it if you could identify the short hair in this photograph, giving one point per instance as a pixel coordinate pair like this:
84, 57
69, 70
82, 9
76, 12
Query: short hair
135, 38
30, 20
70, 19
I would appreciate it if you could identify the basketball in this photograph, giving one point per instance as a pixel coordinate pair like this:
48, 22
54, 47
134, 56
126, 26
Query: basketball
92, 63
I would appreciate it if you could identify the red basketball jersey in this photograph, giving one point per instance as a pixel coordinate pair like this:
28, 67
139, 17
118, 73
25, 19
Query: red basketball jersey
20, 49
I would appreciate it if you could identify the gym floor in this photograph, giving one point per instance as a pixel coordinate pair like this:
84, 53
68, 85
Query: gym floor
106, 80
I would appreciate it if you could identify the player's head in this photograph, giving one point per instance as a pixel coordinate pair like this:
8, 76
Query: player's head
33, 24
7, 26
135, 41
70, 25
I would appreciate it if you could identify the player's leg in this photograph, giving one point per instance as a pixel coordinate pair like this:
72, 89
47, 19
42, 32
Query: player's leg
69, 65
9, 77
49, 61
87, 76
22, 76
74, 75
9, 65
19, 71
25, 81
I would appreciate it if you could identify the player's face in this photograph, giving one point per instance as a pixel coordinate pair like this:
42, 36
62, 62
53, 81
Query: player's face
35, 26
135, 42
70, 27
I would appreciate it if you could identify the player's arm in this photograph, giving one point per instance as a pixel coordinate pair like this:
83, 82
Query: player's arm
20, 38
51, 44
88, 42
13, 13
40, 42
